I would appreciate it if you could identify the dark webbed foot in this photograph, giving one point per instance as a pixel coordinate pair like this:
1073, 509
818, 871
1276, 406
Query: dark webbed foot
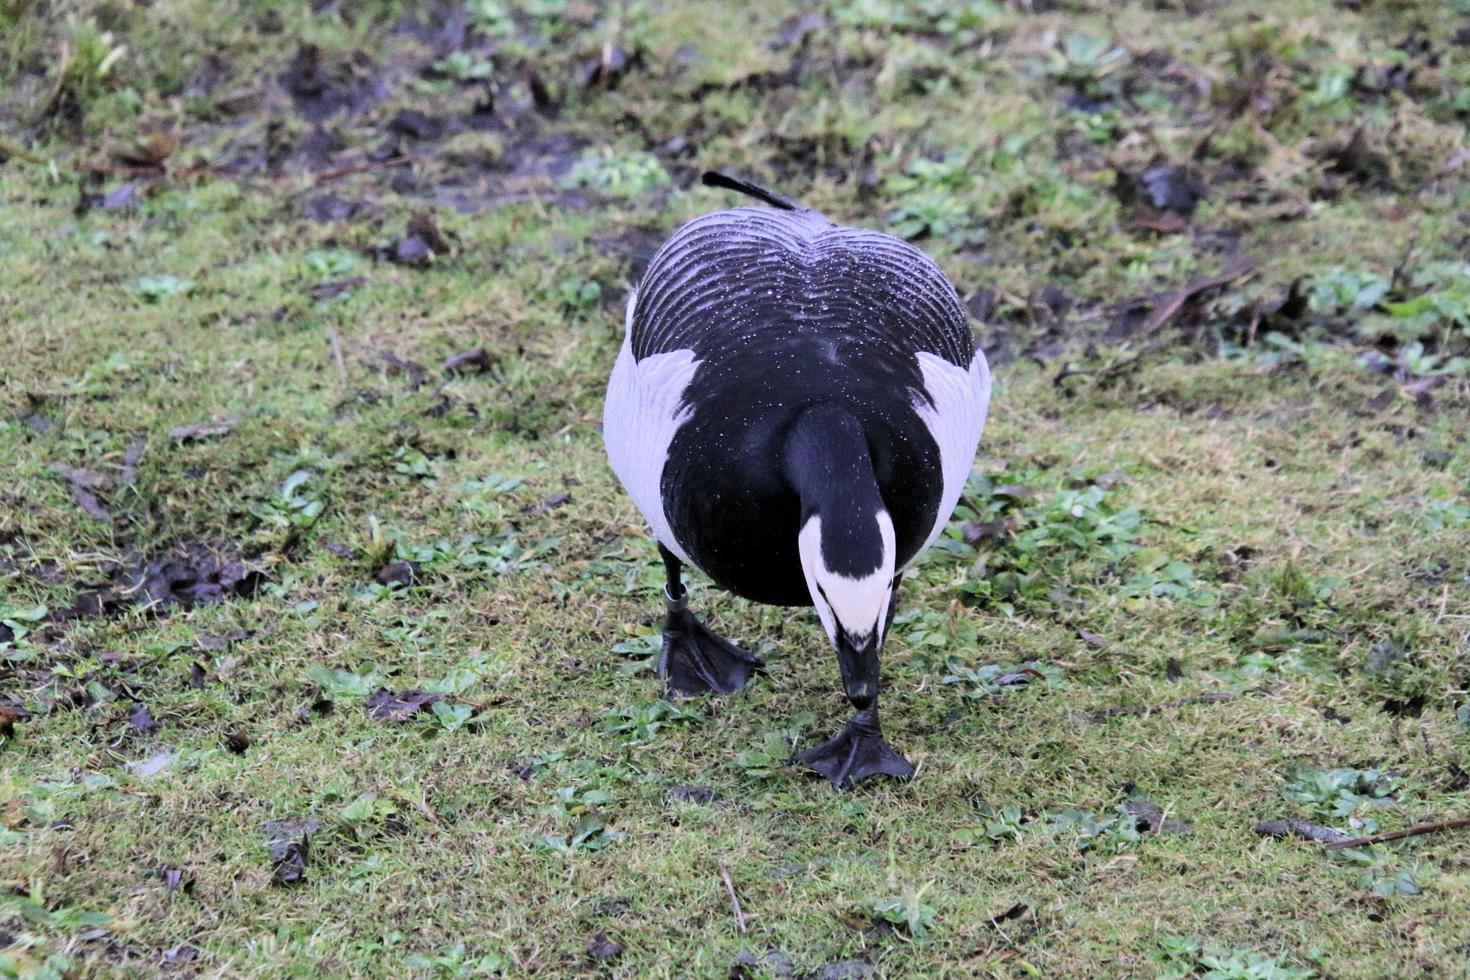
695, 661
857, 753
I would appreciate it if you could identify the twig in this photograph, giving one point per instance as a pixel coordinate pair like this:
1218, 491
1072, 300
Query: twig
15, 151
44, 112
335, 340
734, 899
1165, 311
351, 168
1147, 709
1399, 276
1414, 831
1161, 315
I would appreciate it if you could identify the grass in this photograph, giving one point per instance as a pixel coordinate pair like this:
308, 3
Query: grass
1226, 580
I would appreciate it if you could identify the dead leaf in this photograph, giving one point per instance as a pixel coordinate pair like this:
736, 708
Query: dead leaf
384, 705
132, 456
1023, 676
335, 288
602, 949
142, 719
400, 573
148, 150
1170, 187
1168, 223
178, 955
476, 360
697, 795
89, 503
1150, 817
987, 532
289, 841
81, 477
177, 879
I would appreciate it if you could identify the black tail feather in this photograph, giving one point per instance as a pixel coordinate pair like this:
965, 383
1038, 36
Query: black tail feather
714, 178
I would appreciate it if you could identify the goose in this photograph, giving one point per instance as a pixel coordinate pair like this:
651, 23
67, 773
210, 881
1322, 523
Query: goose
794, 411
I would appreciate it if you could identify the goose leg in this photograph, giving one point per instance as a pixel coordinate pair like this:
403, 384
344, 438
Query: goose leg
694, 660
859, 751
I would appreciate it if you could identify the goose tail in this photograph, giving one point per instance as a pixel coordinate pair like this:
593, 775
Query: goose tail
716, 178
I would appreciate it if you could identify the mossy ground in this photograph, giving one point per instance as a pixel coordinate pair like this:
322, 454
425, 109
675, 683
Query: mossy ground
1254, 539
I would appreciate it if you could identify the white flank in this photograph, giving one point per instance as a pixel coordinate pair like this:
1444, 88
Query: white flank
644, 409
956, 417
858, 605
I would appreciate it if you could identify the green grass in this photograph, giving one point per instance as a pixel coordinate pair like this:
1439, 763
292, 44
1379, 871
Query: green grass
1235, 569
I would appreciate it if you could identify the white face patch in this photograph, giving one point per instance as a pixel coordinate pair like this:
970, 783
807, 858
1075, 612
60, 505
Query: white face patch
858, 606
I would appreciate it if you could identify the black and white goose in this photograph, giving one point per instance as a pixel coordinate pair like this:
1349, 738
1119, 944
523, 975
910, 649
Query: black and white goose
795, 410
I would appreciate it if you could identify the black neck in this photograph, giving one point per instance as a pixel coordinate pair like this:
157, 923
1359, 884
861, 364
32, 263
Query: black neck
828, 465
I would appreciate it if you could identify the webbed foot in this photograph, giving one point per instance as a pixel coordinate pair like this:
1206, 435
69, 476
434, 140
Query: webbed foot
857, 753
695, 661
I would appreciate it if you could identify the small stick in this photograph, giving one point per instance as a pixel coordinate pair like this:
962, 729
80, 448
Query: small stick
1148, 709
1414, 831
335, 339
734, 900
17, 152
1172, 304
359, 166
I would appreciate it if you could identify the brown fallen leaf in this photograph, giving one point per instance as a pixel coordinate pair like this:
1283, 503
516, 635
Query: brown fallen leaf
335, 288
1150, 817
148, 150
177, 879
475, 360
81, 477
142, 719
602, 949
981, 532
1023, 676
290, 846
425, 226
384, 705
400, 573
